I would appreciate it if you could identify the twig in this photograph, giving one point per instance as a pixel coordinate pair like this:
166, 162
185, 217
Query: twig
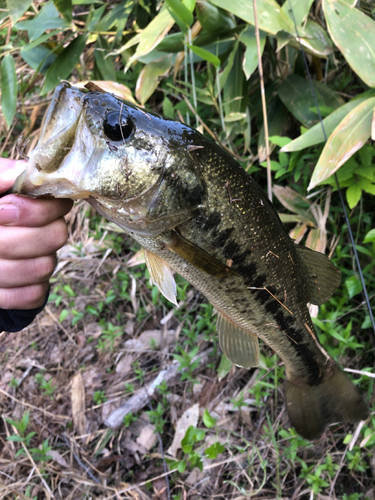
82, 465
50, 313
32, 406
264, 106
34, 465
142, 397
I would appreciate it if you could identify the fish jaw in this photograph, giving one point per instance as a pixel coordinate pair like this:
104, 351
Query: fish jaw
45, 175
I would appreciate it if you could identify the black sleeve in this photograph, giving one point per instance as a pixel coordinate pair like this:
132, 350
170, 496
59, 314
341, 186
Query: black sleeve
14, 320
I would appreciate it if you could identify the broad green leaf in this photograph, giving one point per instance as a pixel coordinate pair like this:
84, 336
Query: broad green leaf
297, 10
104, 64
152, 34
17, 8
271, 17
205, 55
9, 88
353, 195
214, 450
65, 8
234, 117
250, 60
118, 14
48, 18
39, 58
189, 4
353, 285
370, 236
295, 92
315, 134
40, 40
223, 76
212, 18
354, 34
64, 63
315, 40
208, 420
277, 116
181, 11
349, 136
150, 76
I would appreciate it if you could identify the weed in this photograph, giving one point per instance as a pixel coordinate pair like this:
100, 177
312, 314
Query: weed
99, 397
187, 365
156, 417
129, 419
45, 385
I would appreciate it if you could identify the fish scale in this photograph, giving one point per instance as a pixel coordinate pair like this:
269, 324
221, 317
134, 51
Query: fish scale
195, 210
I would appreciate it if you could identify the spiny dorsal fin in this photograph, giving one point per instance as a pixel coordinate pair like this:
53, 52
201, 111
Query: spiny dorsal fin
239, 346
324, 277
161, 276
198, 257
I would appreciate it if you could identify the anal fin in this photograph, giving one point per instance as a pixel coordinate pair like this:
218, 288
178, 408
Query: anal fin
161, 276
239, 346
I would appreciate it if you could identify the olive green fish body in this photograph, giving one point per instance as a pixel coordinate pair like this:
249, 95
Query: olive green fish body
194, 209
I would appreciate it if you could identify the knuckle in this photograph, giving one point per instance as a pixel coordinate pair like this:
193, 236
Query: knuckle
44, 267
27, 297
60, 233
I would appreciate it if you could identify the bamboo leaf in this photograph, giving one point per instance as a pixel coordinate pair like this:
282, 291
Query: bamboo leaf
181, 11
347, 138
297, 10
250, 60
152, 35
205, 55
315, 134
48, 18
271, 18
354, 34
64, 64
9, 88
17, 8
295, 92
149, 78
65, 8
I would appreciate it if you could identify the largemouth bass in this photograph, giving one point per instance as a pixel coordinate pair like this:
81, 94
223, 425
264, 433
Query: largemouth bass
194, 209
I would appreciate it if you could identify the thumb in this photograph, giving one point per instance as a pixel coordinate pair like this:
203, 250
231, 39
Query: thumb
9, 171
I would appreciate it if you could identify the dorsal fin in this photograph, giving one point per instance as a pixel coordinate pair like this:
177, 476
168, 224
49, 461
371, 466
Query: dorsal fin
161, 276
239, 346
324, 277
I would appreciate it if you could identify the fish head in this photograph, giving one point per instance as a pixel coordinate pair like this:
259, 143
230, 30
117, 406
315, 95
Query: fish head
132, 166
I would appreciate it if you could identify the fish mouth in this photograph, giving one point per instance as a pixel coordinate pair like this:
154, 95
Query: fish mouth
44, 175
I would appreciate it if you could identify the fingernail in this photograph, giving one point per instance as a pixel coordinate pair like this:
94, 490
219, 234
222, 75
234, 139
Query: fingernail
9, 213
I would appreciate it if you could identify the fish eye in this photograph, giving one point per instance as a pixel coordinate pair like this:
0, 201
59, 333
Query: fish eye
117, 128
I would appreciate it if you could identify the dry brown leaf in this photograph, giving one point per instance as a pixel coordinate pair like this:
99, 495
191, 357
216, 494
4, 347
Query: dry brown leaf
78, 403
147, 437
58, 458
125, 364
189, 417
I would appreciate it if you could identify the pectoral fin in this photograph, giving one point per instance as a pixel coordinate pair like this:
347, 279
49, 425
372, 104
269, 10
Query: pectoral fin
239, 346
198, 257
324, 277
161, 276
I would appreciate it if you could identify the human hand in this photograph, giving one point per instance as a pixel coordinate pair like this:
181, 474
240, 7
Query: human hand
31, 231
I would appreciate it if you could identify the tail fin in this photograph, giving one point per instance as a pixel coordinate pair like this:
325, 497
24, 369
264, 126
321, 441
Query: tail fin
312, 408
